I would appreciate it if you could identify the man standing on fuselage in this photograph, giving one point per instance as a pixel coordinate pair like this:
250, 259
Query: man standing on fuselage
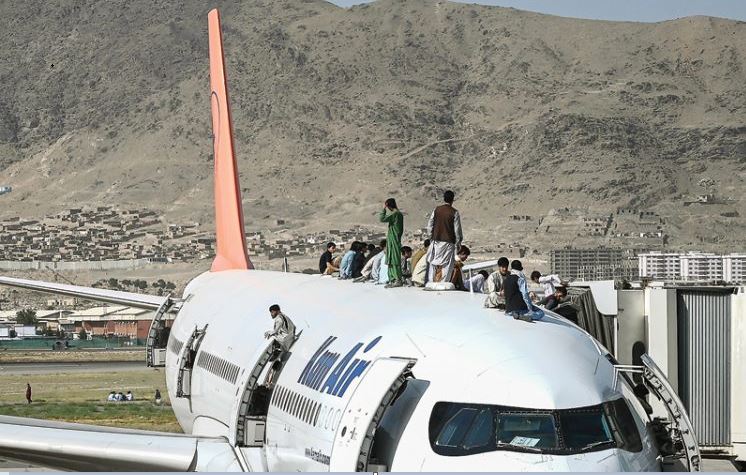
390, 214
444, 229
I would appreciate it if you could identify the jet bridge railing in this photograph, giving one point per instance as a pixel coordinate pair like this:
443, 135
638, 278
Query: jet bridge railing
680, 429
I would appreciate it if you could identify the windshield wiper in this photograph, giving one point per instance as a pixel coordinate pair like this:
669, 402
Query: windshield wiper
595, 444
505, 445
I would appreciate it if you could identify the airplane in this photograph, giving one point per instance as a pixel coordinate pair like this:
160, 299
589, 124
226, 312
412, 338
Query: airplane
377, 379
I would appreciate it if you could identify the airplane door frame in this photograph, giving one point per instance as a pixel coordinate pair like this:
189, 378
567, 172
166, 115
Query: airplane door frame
186, 361
357, 426
244, 404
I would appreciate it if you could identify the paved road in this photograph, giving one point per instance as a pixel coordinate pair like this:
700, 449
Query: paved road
50, 368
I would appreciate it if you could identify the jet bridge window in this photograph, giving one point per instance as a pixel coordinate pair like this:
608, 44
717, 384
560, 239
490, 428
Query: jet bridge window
458, 429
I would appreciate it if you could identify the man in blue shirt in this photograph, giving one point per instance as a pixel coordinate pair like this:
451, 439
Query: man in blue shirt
346, 266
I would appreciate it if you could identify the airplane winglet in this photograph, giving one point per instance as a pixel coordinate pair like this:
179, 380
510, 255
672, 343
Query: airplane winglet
230, 236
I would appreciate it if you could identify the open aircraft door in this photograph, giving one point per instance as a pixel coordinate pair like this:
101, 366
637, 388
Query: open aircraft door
681, 432
357, 425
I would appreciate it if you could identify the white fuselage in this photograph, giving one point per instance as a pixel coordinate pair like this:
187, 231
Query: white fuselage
467, 353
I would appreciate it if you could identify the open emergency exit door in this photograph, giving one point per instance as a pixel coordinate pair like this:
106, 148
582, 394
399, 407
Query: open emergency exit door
357, 426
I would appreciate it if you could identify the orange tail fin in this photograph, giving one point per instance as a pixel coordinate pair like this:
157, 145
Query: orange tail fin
230, 236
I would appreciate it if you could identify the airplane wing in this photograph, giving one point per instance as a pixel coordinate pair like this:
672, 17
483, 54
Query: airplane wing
81, 447
129, 299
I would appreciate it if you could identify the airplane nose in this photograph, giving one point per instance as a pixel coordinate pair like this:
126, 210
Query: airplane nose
592, 462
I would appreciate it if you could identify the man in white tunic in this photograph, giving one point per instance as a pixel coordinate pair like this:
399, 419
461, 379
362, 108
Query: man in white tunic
372, 268
283, 333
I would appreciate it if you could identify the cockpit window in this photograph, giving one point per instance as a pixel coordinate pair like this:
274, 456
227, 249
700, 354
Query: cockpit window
456, 428
481, 430
586, 428
526, 430
465, 429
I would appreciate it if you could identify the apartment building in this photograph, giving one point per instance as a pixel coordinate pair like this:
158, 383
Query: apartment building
693, 266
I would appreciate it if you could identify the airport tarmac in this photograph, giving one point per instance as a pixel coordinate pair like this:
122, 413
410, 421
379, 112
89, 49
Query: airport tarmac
7, 369
11, 466
708, 465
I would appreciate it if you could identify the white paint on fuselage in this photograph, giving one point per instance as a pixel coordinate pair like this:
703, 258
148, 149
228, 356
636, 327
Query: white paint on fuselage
468, 353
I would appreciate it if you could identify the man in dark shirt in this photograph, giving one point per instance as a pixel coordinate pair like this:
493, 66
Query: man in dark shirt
517, 302
326, 265
358, 260
559, 296
372, 251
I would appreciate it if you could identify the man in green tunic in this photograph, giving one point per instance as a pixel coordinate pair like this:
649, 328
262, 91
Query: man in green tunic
391, 214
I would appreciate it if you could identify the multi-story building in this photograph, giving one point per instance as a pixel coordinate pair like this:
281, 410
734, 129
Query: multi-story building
705, 267
693, 266
660, 265
592, 264
734, 268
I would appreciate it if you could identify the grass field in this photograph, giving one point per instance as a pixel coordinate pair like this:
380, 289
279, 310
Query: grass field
70, 356
81, 397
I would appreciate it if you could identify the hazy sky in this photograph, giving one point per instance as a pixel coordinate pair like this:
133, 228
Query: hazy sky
628, 10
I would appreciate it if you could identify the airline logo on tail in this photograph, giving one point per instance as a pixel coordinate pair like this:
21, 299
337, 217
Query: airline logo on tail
327, 373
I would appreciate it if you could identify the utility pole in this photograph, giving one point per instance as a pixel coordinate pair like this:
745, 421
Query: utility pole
60, 276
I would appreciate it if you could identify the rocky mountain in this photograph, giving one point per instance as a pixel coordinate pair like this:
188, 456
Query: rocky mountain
336, 109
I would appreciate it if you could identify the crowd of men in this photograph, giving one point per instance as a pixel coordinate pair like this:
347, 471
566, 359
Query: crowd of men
120, 397
437, 264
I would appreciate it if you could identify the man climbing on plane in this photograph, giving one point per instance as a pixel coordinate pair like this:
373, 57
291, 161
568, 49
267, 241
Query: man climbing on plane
284, 329
283, 337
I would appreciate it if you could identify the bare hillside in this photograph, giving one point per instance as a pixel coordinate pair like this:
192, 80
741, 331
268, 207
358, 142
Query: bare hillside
336, 109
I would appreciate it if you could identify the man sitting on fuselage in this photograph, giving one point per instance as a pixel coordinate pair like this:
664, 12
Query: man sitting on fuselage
517, 301
326, 261
373, 266
496, 285
550, 302
345, 268
457, 276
